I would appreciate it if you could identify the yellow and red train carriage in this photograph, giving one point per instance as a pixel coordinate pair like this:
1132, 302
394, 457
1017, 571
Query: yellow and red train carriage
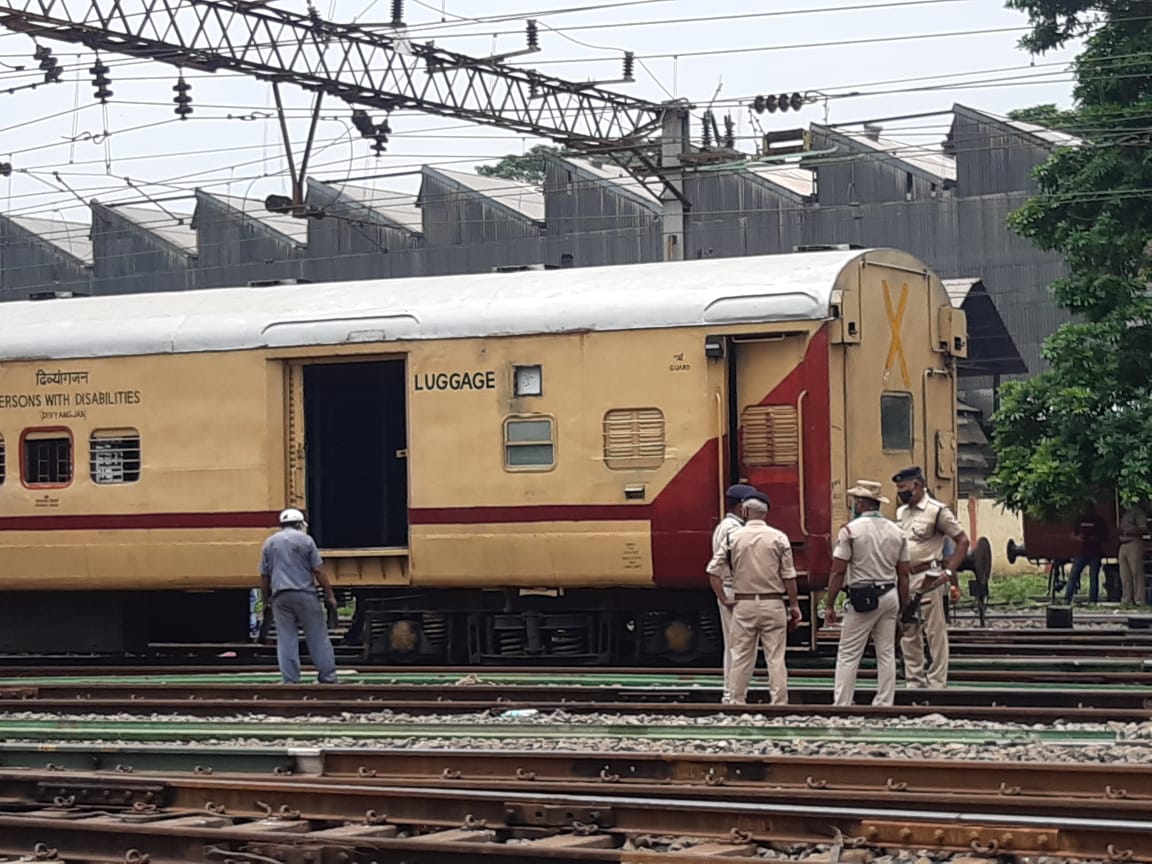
503, 466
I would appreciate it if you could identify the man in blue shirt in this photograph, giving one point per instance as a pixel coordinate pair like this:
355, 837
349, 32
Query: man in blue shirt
289, 570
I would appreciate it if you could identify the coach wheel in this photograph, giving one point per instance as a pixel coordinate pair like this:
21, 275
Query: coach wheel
1057, 580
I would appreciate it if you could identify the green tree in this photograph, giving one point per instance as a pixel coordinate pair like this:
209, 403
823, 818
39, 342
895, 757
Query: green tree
527, 167
1085, 424
1047, 115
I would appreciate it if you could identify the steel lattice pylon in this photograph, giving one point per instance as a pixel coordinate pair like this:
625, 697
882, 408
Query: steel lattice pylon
343, 60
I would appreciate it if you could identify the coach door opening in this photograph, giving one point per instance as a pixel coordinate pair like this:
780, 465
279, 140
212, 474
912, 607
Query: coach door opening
355, 439
766, 406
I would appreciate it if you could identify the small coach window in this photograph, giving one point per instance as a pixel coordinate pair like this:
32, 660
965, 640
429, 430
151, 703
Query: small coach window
114, 456
47, 457
528, 443
3, 461
896, 421
634, 438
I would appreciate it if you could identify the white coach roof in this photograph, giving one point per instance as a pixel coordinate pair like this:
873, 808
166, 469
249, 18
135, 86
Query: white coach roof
636, 296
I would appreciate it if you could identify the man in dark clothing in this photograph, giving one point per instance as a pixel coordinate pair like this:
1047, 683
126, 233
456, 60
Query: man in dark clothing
1091, 530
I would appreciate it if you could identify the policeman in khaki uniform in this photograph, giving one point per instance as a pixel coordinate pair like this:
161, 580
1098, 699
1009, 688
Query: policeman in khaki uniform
722, 583
871, 561
762, 575
1133, 526
926, 524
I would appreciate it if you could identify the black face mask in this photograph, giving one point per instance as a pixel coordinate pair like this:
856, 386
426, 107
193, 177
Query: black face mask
856, 511
904, 496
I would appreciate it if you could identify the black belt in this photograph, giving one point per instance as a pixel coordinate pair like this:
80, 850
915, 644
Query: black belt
882, 587
765, 596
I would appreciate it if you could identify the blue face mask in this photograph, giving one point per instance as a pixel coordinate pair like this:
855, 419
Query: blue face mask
904, 496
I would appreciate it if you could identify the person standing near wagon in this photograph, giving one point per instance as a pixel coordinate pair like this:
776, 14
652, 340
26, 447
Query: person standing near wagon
722, 582
762, 575
1091, 531
289, 571
927, 524
870, 560
1133, 526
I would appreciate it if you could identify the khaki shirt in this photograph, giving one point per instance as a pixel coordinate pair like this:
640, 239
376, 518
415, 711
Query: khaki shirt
926, 524
1133, 523
730, 524
872, 546
761, 559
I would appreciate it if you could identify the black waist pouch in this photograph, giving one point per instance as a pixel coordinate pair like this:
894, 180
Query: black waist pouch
864, 598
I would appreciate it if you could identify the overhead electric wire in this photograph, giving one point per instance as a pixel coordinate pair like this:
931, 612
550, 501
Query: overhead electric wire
699, 19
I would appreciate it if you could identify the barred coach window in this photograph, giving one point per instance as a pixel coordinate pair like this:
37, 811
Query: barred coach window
529, 444
114, 456
47, 457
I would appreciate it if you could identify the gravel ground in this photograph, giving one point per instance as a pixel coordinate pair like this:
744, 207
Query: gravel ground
1132, 745
1084, 620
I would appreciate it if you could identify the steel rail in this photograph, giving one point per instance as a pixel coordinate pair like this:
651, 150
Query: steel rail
297, 805
1127, 785
268, 696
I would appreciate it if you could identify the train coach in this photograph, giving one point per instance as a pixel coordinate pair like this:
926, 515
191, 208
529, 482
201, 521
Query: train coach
508, 466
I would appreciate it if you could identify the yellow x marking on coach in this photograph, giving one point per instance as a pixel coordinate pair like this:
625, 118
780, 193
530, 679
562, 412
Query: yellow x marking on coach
896, 323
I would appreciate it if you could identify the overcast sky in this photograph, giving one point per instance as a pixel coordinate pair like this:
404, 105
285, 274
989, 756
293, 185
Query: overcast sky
911, 57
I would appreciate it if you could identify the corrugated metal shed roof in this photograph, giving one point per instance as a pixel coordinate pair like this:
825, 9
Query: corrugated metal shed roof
398, 208
959, 289
72, 238
295, 230
178, 232
991, 348
927, 159
799, 181
682, 294
1048, 136
521, 198
616, 176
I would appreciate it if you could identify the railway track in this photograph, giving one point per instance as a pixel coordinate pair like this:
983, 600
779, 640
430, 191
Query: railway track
1045, 695
359, 806
496, 764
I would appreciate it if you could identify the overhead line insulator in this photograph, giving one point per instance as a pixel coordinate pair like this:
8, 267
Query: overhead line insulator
182, 99
533, 36
397, 13
100, 81
49, 65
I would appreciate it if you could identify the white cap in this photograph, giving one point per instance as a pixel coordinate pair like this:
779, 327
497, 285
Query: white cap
287, 517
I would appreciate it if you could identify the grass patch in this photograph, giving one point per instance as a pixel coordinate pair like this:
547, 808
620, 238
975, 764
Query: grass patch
1017, 589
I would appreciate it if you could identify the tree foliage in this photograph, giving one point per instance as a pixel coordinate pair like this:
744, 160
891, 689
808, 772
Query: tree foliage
1085, 424
527, 167
1048, 116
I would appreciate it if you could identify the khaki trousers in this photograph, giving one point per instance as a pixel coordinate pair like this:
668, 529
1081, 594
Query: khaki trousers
1131, 557
755, 621
726, 629
935, 628
880, 625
